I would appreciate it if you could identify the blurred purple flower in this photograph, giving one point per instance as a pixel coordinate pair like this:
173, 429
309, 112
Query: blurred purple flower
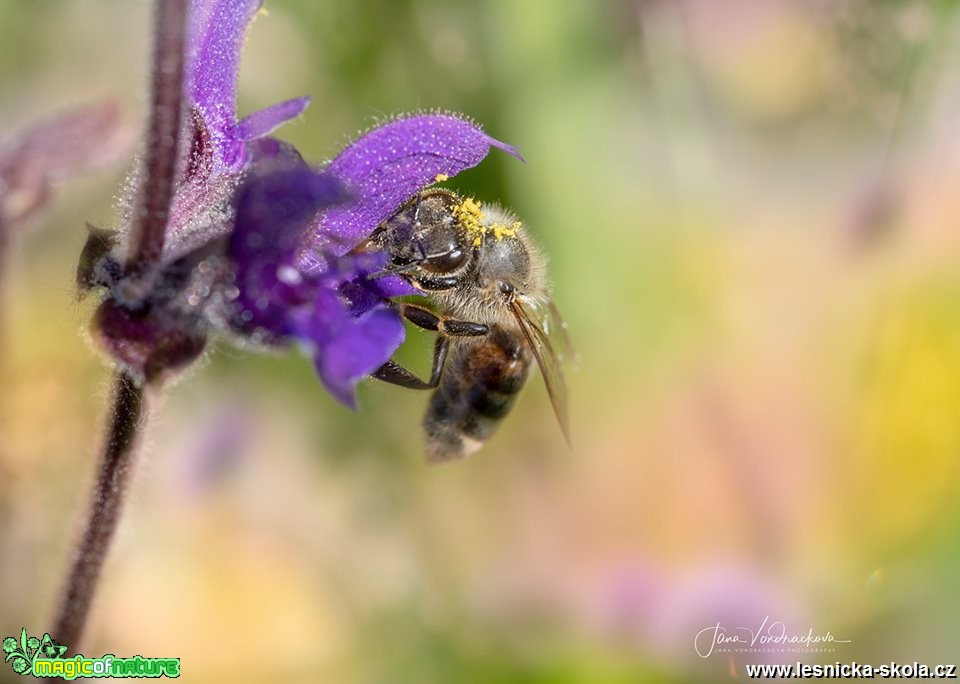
675, 616
53, 149
215, 445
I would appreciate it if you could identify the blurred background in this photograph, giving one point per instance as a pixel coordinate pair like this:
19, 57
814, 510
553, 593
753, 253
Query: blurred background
751, 213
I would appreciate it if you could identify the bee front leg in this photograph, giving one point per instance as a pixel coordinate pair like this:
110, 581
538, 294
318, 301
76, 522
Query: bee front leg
435, 283
426, 319
395, 374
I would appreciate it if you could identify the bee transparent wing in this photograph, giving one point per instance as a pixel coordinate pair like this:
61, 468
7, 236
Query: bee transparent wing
559, 329
530, 317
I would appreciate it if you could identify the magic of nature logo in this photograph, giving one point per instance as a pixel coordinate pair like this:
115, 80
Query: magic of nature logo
44, 657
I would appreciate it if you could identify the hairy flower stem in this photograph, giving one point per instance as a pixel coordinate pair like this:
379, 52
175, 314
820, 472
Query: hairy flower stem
126, 419
152, 209
128, 411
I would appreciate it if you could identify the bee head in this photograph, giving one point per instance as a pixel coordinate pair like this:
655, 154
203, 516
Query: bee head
441, 241
424, 236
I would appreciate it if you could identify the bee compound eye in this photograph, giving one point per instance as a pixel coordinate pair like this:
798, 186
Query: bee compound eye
505, 287
446, 262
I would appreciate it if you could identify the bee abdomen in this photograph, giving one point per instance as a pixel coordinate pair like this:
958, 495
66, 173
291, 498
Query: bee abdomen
478, 388
491, 404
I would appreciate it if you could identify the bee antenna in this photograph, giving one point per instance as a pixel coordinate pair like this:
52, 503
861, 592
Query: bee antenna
392, 269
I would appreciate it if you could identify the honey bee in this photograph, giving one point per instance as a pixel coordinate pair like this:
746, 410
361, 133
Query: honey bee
494, 317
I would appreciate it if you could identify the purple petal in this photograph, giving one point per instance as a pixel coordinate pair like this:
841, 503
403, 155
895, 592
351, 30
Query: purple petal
267, 120
273, 153
218, 28
274, 208
387, 166
384, 286
273, 211
200, 13
392, 286
347, 349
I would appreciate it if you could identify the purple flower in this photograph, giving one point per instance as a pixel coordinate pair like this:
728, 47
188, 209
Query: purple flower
261, 246
155, 324
295, 274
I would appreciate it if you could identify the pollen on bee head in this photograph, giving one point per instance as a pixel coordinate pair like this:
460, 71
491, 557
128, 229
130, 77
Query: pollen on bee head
502, 230
470, 217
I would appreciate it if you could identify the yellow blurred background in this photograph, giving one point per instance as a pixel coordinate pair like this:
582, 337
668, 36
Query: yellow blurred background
751, 211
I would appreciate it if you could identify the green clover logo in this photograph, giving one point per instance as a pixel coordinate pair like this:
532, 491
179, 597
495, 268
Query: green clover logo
23, 653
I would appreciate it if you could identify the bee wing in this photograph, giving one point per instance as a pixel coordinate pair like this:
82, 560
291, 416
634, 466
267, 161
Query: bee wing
560, 326
531, 321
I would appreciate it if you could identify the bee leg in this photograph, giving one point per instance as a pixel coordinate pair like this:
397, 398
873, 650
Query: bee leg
396, 374
426, 319
436, 283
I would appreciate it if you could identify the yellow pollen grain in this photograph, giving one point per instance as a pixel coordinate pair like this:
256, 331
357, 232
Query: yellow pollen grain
441, 177
469, 216
501, 230
263, 12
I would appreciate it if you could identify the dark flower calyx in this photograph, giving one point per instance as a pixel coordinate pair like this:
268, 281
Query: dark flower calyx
149, 343
97, 267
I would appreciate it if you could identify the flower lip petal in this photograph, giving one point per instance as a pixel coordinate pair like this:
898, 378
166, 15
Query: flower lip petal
391, 163
265, 121
356, 348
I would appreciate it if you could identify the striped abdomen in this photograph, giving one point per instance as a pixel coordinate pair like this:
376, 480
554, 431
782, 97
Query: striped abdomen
479, 385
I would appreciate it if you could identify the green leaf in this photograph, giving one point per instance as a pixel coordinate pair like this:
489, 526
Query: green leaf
23, 639
15, 654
